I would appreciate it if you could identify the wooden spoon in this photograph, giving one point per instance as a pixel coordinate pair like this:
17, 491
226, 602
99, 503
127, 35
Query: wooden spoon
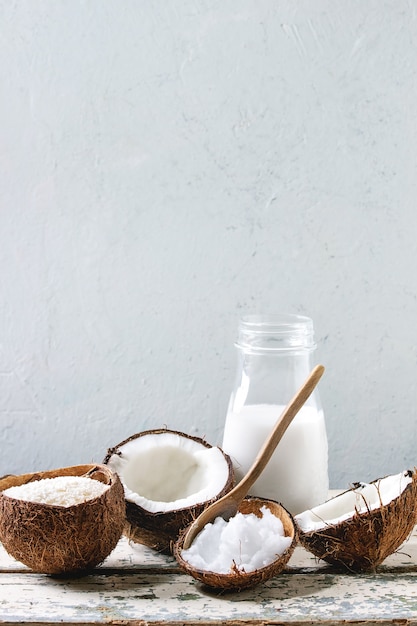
228, 505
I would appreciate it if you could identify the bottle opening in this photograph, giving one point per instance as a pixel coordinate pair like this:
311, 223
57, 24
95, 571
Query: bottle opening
276, 332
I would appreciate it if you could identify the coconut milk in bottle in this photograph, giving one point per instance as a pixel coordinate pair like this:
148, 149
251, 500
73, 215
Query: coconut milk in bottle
274, 359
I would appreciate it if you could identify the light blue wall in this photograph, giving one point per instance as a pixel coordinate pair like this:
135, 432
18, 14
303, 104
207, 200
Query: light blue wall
167, 166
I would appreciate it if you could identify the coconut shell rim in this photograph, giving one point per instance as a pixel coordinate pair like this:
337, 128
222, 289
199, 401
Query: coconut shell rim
56, 474
153, 431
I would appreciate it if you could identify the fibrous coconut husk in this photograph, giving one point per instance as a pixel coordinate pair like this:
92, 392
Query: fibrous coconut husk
365, 540
56, 539
238, 579
160, 530
157, 530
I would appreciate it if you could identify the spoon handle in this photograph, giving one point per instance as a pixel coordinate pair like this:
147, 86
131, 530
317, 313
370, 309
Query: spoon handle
228, 505
286, 417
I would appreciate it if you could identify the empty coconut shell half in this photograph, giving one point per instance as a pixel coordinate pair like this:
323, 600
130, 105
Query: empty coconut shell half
245, 554
62, 521
362, 526
168, 477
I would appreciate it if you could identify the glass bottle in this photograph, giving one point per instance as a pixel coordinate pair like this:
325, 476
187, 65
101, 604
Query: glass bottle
274, 359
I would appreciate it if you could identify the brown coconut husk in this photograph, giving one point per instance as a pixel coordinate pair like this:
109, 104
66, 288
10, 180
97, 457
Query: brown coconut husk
239, 580
364, 541
55, 539
159, 531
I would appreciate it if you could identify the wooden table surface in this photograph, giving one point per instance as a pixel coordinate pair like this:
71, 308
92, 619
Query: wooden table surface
137, 585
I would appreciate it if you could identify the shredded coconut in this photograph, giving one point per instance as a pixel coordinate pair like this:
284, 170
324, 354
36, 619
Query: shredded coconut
59, 491
245, 542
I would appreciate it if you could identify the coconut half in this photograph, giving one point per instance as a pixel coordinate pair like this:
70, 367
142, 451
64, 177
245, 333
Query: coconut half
362, 526
168, 477
238, 579
55, 539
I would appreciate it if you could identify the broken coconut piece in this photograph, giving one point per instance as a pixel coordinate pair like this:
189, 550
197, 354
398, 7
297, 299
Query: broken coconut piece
360, 527
168, 477
67, 532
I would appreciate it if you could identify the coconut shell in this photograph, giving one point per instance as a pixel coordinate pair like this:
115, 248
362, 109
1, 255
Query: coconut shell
159, 531
238, 579
365, 540
56, 539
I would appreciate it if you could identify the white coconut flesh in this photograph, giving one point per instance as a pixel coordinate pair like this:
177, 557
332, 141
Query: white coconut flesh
165, 472
363, 498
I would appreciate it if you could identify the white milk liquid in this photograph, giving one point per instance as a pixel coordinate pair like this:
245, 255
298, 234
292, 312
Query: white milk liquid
296, 475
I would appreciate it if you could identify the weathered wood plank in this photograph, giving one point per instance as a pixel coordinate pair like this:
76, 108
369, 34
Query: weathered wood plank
170, 597
138, 586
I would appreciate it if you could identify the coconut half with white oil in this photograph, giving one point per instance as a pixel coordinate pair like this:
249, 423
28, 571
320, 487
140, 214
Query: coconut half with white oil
362, 526
168, 477
248, 549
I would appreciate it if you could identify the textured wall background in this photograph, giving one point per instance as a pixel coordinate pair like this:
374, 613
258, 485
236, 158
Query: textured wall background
167, 166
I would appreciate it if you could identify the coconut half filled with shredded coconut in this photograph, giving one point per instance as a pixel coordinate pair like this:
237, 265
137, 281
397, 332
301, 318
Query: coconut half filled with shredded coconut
168, 477
362, 526
62, 521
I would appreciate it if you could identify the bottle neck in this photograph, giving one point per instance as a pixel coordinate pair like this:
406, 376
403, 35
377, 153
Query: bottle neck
276, 334
271, 378
274, 359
